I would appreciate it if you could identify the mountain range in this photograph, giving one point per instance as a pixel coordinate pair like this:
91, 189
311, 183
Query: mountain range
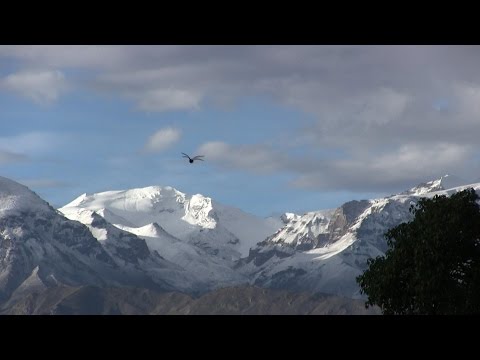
167, 242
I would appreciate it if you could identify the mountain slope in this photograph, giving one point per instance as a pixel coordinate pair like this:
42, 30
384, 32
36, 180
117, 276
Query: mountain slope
36, 239
165, 240
40, 248
325, 251
444, 183
218, 229
132, 252
243, 300
199, 270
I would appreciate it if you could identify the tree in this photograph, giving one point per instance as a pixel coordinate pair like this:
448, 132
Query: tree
432, 265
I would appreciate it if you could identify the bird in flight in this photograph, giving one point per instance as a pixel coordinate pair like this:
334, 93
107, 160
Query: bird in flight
191, 160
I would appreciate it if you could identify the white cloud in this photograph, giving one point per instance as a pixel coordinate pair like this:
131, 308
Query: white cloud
162, 139
42, 183
83, 56
33, 143
371, 104
393, 171
255, 158
168, 99
468, 101
43, 87
381, 107
215, 150
7, 157
416, 157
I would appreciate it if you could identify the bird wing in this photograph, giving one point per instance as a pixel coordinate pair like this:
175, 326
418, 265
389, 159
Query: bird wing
185, 155
198, 157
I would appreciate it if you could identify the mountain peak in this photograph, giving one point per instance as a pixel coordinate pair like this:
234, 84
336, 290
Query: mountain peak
287, 217
450, 181
443, 183
196, 219
78, 200
17, 198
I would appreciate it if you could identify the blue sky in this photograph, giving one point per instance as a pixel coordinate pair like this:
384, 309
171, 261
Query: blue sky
282, 128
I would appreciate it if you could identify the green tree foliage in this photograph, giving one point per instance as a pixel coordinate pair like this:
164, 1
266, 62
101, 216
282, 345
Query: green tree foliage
432, 265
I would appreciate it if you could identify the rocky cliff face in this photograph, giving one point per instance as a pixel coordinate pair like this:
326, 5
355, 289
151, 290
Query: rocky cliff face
42, 248
326, 251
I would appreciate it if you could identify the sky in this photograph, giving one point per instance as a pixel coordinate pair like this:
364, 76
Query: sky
282, 128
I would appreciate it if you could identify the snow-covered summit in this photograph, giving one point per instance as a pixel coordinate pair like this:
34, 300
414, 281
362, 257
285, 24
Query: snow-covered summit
16, 198
287, 217
143, 206
325, 251
443, 183
162, 236
190, 218
41, 247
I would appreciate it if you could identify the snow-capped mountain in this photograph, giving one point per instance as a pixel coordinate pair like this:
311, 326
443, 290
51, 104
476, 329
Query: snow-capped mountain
39, 247
444, 183
324, 251
219, 230
287, 217
303, 232
163, 239
201, 271
129, 247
